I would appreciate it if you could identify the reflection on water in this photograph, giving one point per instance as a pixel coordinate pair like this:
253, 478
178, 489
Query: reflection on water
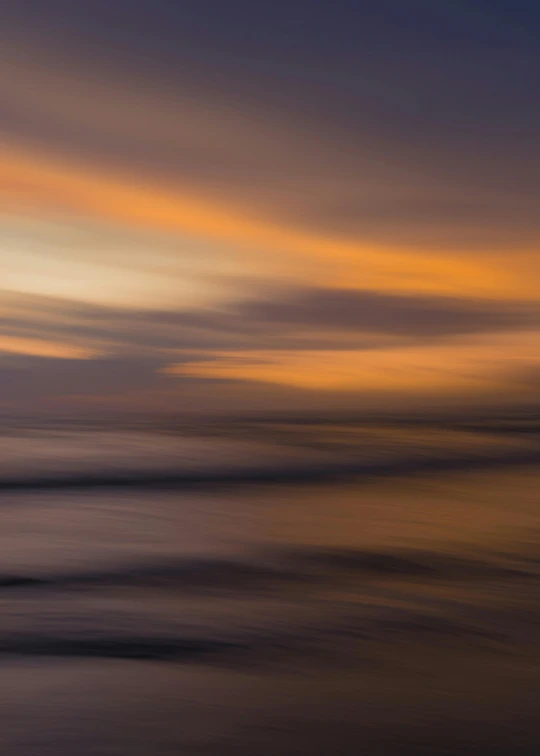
380, 613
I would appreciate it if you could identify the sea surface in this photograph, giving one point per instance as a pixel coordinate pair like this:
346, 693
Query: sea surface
270, 587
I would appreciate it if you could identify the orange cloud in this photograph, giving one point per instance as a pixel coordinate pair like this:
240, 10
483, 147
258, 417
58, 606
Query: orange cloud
37, 183
471, 363
39, 348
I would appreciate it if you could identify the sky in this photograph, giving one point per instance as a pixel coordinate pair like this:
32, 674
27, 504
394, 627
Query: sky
232, 206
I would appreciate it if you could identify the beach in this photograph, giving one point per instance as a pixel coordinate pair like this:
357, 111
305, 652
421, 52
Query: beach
375, 614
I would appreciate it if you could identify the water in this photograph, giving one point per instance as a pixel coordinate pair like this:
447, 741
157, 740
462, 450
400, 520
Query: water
270, 589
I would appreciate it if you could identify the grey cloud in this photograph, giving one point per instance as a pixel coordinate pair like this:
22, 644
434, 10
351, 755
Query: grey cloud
139, 344
305, 318
368, 311
24, 377
30, 385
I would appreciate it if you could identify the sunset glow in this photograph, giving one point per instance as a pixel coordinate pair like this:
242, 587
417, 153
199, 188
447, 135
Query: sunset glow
146, 205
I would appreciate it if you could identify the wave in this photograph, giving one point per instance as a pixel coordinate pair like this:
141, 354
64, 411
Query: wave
338, 637
302, 566
410, 563
174, 574
113, 647
269, 475
333, 623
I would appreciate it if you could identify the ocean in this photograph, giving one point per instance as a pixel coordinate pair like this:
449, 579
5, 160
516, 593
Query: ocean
270, 587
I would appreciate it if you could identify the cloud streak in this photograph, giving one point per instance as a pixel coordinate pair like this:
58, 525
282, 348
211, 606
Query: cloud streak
352, 213
353, 343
